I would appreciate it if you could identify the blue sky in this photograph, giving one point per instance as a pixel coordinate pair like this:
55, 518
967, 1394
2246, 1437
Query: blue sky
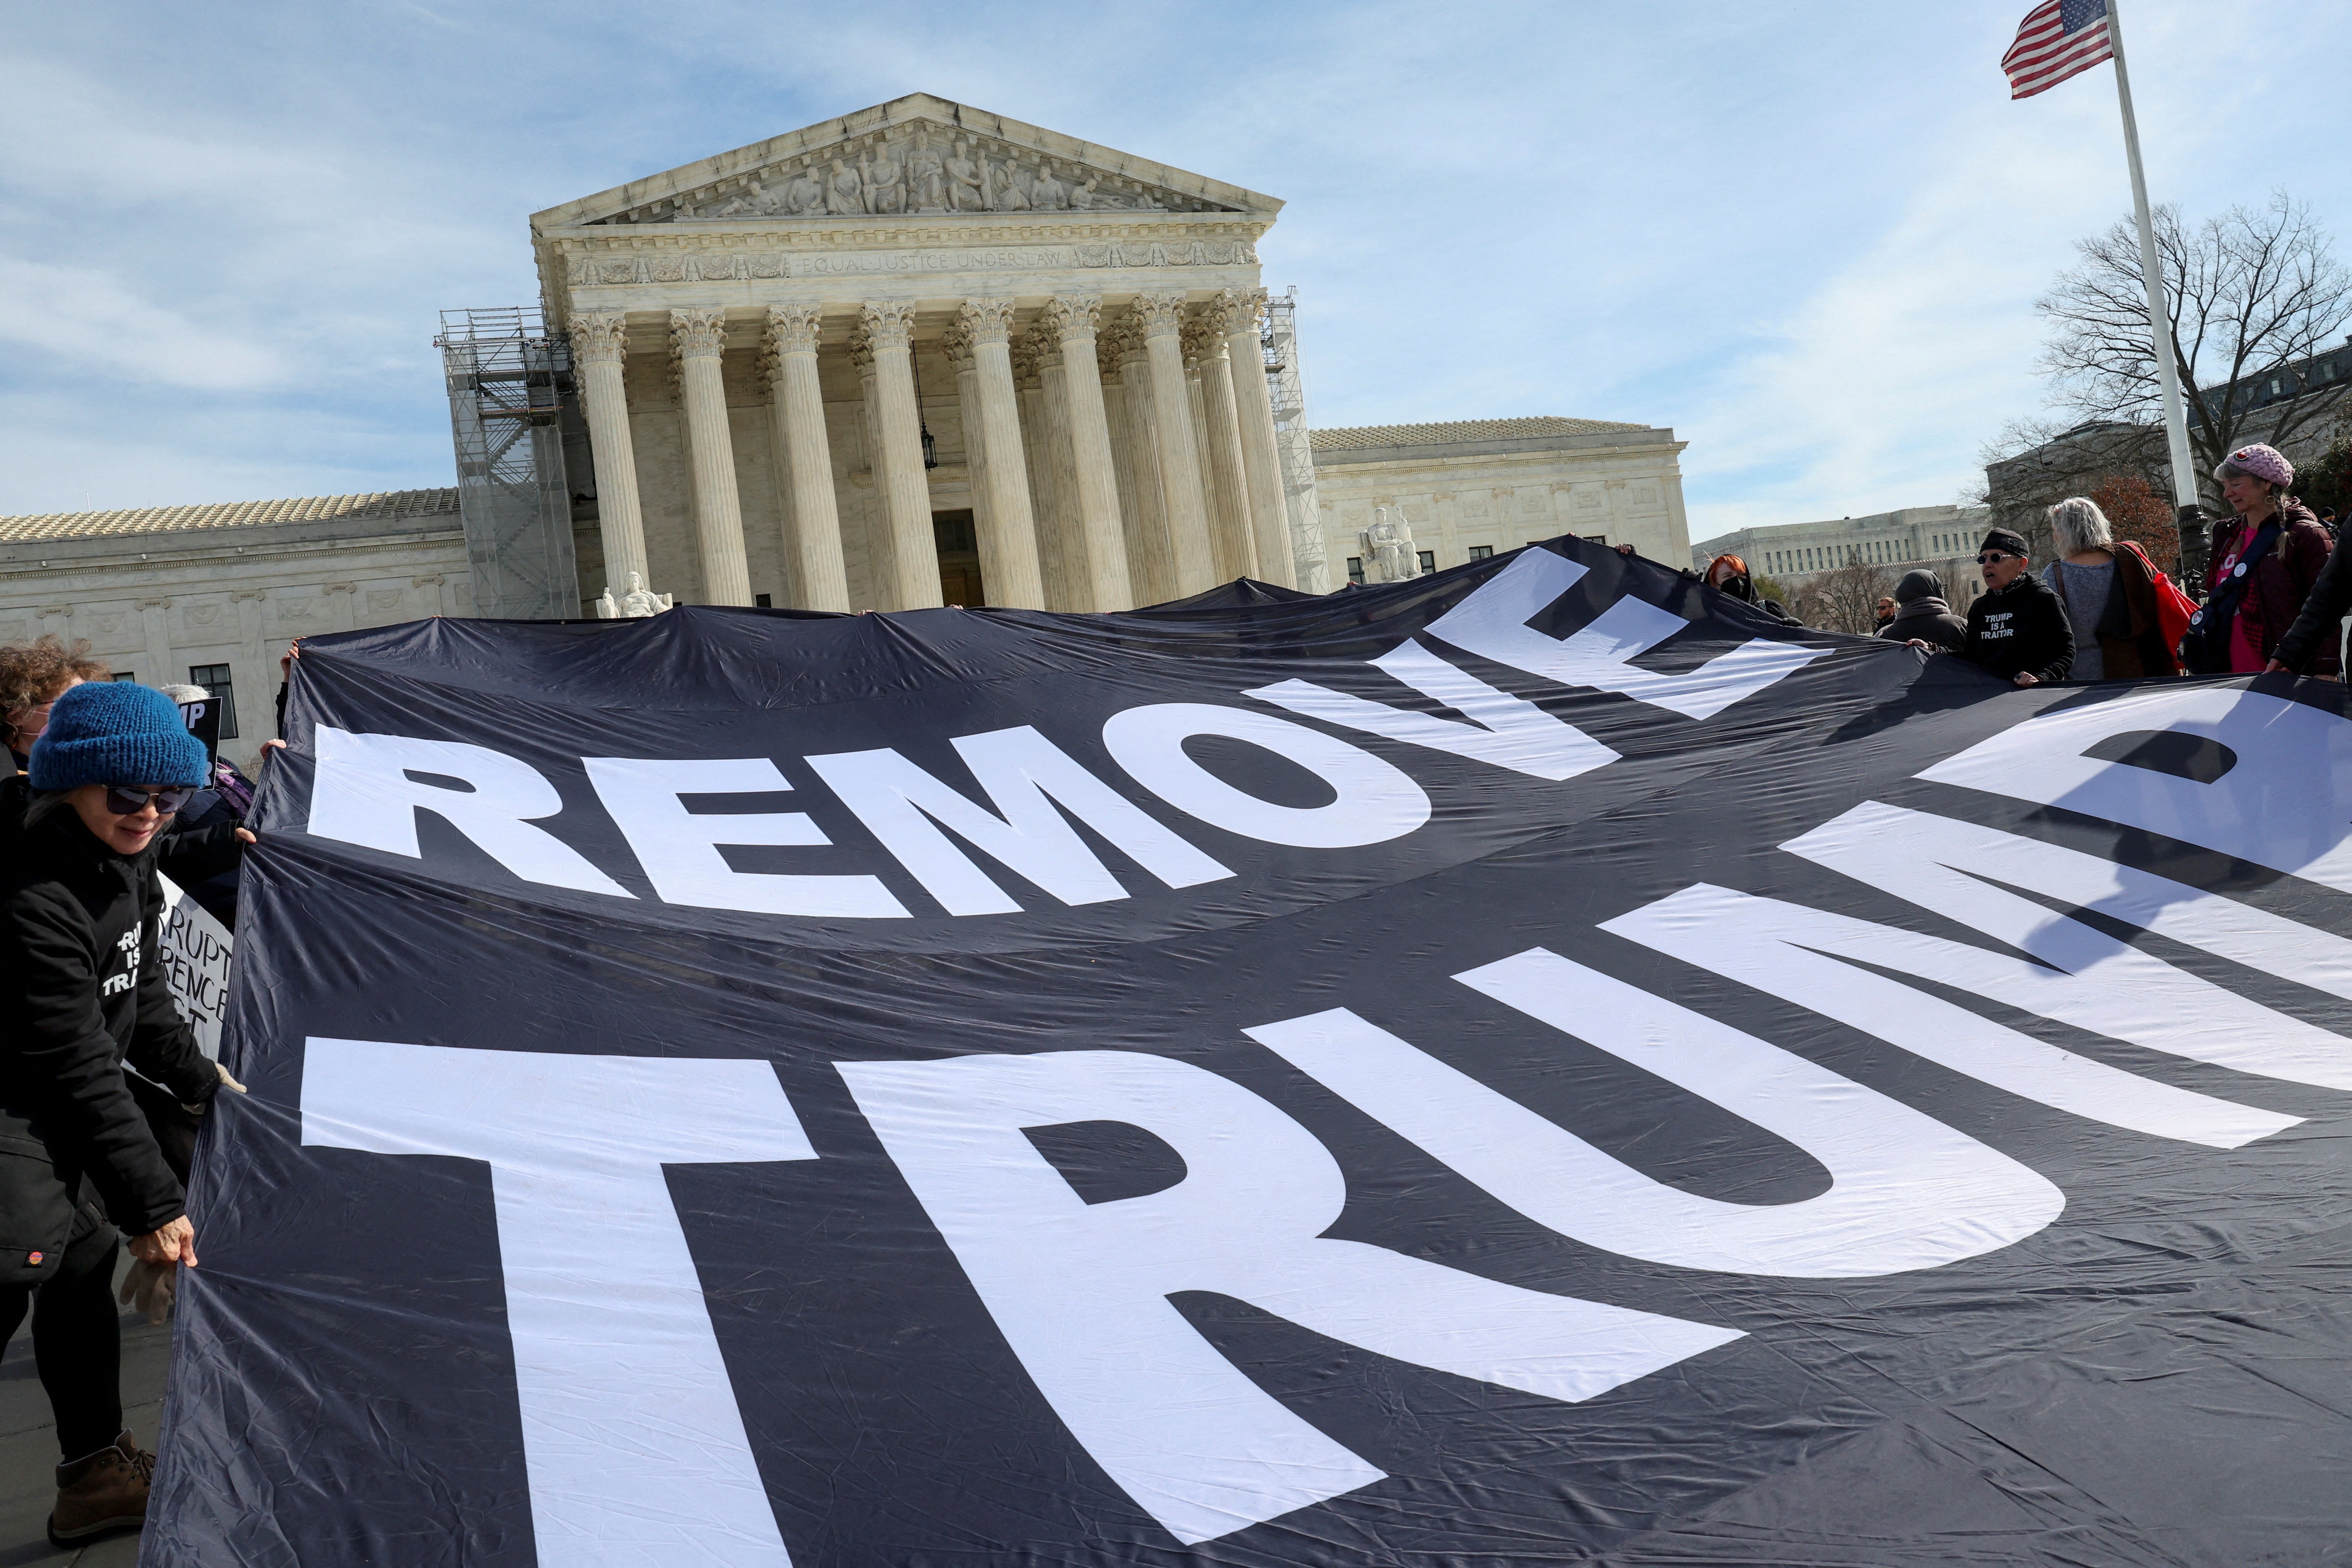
1808, 237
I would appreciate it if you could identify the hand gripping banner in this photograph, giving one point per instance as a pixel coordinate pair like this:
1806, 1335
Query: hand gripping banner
1536, 1064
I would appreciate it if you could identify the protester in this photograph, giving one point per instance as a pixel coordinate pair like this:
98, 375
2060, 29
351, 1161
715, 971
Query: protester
1882, 613
1729, 575
34, 675
2321, 624
82, 983
2109, 595
1922, 615
225, 799
2016, 628
2265, 563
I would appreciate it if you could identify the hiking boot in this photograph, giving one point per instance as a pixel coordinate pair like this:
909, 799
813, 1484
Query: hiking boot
106, 1491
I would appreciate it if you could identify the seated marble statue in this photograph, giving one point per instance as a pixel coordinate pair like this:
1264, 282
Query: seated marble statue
1388, 547
634, 605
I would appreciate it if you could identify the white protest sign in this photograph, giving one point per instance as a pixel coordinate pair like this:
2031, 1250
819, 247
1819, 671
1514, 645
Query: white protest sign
195, 949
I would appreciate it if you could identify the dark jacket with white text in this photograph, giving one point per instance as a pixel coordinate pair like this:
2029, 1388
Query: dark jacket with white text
2022, 628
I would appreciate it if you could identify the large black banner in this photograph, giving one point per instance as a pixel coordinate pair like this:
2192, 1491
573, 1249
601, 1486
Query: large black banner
1537, 1064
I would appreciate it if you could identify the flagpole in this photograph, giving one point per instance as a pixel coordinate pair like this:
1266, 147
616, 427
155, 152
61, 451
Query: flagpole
2159, 323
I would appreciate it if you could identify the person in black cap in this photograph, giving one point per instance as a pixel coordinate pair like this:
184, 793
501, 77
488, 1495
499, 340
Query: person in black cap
2017, 627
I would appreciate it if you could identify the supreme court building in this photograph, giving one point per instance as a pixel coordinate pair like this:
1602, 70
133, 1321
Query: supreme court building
919, 355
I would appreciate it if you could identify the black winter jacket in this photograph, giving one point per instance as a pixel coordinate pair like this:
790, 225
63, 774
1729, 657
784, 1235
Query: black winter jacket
2316, 629
82, 992
2022, 628
1930, 620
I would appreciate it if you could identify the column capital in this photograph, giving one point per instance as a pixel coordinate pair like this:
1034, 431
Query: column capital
600, 337
986, 320
1073, 315
887, 325
699, 333
1158, 315
1237, 310
794, 328
957, 342
1203, 339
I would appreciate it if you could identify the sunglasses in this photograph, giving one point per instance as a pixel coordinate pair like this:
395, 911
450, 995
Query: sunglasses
1989, 556
127, 800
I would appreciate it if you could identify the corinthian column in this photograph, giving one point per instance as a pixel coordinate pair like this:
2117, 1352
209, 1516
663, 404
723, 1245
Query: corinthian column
699, 338
1254, 412
1072, 320
1160, 318
1045, 438
1229, 510
812, 537
599, 343
881, 351
1151, 568
1008, 545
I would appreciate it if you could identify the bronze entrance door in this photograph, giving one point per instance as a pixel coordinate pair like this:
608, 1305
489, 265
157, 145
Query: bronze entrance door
959, 548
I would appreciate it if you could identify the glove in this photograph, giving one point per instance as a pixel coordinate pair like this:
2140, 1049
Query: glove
147, 1289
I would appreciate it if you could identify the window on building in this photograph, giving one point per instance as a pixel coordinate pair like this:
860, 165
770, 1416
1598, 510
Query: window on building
215, 679
1356, 570
1428, 559
125, 675
1596, 539
1481, 552
764, 601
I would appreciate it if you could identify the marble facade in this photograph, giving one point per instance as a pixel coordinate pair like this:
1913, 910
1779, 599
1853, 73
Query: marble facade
764, 341
160, 593
1485, 486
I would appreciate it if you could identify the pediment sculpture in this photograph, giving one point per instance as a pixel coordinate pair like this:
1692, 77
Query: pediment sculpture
914, 170
633, 605
1388, 548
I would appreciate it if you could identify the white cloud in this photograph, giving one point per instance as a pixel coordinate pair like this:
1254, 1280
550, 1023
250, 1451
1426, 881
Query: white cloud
95, 322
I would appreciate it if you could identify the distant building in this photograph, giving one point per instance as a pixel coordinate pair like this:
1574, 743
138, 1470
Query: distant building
1941, 539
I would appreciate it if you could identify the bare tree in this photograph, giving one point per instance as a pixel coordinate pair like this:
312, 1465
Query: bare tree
1845, 598
2251, 294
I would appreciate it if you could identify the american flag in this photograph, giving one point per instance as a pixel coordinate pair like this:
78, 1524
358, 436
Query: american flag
2058, 39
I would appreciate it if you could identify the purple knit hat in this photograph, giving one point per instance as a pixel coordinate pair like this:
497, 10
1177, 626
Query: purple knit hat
2261, 462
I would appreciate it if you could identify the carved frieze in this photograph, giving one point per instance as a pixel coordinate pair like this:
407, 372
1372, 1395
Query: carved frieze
604, 268
915, 169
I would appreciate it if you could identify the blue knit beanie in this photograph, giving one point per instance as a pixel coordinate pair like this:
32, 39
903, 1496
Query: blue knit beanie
113, 732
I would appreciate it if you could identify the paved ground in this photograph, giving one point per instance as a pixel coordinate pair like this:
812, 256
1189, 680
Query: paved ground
28, 1448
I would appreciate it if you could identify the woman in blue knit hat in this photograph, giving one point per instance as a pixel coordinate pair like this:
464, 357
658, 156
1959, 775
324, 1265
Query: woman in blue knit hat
82, 986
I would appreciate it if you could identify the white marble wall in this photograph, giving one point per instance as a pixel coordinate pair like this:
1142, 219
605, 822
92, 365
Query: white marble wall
1626, 495
157, 604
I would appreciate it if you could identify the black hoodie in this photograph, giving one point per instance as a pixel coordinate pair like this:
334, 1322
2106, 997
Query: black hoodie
82, 992
2021, 627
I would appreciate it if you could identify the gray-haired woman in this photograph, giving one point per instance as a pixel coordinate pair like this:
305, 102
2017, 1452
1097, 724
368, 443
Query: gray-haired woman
2109, 595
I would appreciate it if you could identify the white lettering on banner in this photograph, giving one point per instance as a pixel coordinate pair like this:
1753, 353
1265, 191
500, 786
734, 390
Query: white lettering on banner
1080, 1291
2093, 981
2286, 801
1506, 730
1493, 624
679, 849
1024, 776
1377, 800
632, 1440
195, 950
1780, 950
1906, 1192
363, 793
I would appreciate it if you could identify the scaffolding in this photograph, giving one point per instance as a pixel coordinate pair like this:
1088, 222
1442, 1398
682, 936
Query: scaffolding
1288, 387
511, 398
